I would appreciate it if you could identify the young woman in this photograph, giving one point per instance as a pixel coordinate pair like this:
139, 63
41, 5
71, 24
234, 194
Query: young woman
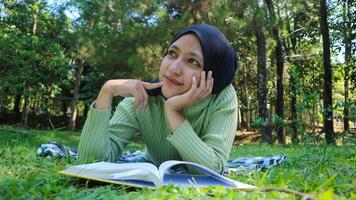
188, 114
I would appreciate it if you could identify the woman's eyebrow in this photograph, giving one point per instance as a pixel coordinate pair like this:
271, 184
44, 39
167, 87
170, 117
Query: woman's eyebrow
174, 47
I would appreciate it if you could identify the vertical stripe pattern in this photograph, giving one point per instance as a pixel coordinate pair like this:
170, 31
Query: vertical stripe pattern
205, 137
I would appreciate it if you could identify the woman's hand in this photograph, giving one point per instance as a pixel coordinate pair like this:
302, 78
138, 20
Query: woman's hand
194, 94
175, 105
125, 88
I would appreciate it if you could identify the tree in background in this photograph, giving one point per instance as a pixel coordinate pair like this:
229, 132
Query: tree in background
262, 75
328, 107
280, 60
31, 54
347, 35
343, 41
56, 63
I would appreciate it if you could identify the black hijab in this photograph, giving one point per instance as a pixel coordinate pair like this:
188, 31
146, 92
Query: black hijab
219, 55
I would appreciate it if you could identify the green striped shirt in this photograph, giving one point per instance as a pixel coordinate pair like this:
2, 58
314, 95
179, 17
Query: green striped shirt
205, 137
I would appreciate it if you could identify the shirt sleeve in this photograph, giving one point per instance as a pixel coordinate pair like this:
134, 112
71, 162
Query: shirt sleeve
213, 148
102, 138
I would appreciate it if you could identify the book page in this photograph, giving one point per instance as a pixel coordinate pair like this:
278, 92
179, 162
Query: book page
211, 178
117, 171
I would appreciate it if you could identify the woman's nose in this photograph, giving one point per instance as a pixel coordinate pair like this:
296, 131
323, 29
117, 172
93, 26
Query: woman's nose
176, 67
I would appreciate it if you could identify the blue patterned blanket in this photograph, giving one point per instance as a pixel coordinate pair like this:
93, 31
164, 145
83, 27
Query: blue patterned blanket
238, 165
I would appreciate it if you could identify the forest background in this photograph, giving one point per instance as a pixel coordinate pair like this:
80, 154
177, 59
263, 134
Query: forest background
296, 69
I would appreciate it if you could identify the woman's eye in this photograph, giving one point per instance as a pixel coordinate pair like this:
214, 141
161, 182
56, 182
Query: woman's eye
171, 53
193, 61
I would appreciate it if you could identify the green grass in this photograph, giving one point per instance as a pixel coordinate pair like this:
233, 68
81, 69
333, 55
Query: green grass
321, 171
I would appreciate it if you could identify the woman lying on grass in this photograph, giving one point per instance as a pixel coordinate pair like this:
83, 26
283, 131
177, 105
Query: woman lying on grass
188, 114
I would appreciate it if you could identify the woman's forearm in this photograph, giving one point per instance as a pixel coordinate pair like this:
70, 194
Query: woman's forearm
104, 99
175, 118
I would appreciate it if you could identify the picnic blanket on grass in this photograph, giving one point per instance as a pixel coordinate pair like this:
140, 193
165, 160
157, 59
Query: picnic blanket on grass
238, 165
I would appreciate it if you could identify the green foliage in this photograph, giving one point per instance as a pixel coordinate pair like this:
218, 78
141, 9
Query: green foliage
321, 171
127, 39
260, 122
32, 54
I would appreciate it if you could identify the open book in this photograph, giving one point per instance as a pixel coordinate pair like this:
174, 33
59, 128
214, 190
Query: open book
148, 175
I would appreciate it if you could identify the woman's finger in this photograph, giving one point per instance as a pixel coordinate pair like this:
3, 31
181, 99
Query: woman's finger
202, 80
209, 84
193, 88
138, 97
201, 87
212, 86
145, 98
195, 91
150, 86
141, 96
135, 104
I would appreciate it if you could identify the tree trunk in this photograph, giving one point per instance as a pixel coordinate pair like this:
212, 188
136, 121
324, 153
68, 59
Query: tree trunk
293, 108
86, 110
73, 103
245, 107
64, 111
262, 82
279, 57
27, 98
313, 119
291, 50
17, 104
347, 43
26, 110
243, 119
271, 109
248, 117
328, 109
238, 126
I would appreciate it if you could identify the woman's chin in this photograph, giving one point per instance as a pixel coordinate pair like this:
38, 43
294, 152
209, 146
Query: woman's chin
167, 93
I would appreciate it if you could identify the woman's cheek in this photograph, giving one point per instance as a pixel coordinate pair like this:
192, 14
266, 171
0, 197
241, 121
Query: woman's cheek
164, 64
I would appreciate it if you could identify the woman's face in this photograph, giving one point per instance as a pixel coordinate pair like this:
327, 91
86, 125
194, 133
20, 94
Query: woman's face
184, 60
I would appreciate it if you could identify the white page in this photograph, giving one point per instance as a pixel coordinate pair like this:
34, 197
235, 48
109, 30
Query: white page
107, 170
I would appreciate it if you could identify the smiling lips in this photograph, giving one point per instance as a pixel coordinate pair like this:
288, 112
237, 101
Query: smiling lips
172, 81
